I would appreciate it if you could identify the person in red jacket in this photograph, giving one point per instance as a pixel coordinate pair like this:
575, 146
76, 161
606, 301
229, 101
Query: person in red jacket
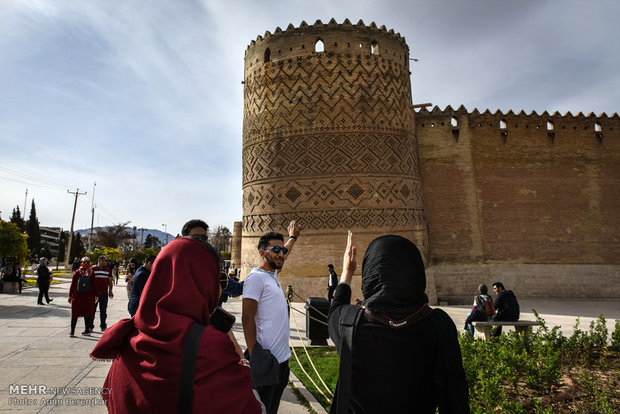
82, 303
103, 289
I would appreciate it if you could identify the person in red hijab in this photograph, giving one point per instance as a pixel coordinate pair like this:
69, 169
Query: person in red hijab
147, 350
82, 303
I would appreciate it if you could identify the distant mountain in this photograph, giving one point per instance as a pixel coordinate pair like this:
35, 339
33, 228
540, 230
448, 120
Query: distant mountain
140, 236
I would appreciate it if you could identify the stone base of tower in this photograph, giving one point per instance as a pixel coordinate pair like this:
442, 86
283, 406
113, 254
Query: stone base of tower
306, 269
458, 283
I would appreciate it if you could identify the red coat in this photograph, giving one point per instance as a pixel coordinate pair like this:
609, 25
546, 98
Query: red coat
147, 350
82, 304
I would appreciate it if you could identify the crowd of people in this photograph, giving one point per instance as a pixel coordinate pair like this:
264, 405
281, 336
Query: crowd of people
176, 351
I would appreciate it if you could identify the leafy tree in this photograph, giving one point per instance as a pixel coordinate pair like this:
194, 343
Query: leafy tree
77, 246
141, 255
17, 218
32, 230
112, 236
220, 238
12, 242
62, 246
112, 254
151, 241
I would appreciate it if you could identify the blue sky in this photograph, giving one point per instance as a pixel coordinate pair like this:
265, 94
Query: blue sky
145, 97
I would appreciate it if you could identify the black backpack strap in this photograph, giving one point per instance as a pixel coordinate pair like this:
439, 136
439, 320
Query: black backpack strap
188, 368
348, 322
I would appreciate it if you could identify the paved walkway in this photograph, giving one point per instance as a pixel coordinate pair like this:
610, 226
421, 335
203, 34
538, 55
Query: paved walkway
37, 352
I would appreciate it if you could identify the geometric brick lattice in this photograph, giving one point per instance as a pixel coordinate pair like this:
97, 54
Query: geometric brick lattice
328, 135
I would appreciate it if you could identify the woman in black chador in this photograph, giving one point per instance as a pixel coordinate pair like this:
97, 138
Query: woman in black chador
405, 355
43, 281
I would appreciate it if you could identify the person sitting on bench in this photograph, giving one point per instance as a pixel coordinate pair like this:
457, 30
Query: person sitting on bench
506, 306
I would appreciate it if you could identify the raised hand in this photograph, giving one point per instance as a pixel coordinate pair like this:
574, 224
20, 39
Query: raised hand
349, 261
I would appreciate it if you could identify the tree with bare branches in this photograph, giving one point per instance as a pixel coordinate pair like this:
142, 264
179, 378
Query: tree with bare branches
112, 236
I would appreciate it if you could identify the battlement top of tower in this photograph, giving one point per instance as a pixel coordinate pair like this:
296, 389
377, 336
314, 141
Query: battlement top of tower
319, 27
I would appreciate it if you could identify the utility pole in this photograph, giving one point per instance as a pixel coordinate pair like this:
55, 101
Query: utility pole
68, 253
25, 200
92, 217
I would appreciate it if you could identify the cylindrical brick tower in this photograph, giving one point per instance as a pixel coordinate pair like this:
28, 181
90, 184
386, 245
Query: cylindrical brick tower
235, 257
328, 140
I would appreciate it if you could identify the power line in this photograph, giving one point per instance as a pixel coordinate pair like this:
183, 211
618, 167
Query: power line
38, 180
33, 184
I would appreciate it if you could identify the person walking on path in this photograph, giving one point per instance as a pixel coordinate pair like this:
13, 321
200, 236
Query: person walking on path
76, 264
82, 302
331, 283
103, 290
44, 276
129, 274
265, 318
139, 281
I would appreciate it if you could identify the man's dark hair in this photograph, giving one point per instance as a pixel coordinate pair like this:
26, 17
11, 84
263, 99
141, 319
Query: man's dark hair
330, 266
483, 290
149, 259
263, 243
499, 285
191, 224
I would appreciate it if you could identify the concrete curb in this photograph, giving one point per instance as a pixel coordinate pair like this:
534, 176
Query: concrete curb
318, 408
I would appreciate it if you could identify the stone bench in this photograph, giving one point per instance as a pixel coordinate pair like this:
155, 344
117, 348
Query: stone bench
10, 287
521, 327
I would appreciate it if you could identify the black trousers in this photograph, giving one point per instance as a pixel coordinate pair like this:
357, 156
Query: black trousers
330, 293
43, 291
270, 395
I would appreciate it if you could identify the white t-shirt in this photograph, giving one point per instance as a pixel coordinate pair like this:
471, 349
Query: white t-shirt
272, 323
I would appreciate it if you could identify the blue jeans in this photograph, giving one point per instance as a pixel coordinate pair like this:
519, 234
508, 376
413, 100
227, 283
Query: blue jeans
103, 308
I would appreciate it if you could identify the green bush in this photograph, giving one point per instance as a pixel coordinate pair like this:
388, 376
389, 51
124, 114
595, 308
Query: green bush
615, 337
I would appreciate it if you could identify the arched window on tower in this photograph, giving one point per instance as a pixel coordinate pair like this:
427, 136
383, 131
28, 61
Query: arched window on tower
502, 124
319, 46
597, 127
267, 55
550, 126
374, 48
454, 122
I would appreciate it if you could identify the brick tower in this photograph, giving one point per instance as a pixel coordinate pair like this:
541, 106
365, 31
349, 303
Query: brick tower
329, 140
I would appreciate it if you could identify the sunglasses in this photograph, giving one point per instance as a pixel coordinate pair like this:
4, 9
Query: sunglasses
278, 249
223, 281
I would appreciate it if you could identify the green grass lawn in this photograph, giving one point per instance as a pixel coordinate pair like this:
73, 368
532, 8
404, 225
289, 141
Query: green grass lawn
326, 361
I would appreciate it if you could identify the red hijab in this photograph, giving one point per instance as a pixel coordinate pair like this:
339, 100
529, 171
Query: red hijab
183, 289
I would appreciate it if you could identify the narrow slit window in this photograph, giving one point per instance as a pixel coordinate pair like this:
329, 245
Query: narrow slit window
374, 48
267, 55
319, 46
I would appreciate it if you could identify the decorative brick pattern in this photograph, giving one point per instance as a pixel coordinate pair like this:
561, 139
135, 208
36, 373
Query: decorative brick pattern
328, 139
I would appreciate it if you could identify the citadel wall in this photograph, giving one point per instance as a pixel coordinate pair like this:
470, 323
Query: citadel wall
532, 199
328, 140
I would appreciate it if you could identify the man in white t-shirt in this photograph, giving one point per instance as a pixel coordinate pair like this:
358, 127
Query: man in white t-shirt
265, 312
